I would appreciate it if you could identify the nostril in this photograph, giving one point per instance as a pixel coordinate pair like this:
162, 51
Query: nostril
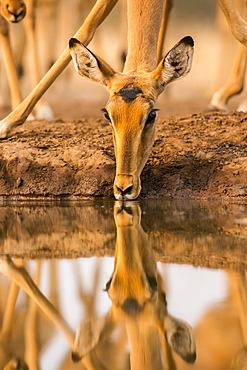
125, 191
9, 10
18, 14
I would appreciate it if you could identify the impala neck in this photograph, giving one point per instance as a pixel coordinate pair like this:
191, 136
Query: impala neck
145, 350
144, 20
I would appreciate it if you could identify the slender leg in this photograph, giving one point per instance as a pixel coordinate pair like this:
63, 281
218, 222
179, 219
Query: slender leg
123, 32
85, 34
235, 82
21, 277
30, 329
92, 359
42, 110
166, 15
9, 310
9, 64
237, 282
29, 24
236, 23
7, 325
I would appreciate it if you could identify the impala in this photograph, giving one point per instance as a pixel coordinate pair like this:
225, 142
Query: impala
131, 107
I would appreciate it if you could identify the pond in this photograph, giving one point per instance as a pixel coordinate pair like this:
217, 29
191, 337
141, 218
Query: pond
135, 285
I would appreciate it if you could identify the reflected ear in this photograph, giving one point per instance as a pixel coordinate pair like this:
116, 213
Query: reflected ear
180, 338
87, 337
176, 64
88, 65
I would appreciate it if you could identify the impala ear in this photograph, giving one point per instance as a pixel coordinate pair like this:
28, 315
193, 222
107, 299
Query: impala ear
180, 338
88, 65
87, 337
176, 64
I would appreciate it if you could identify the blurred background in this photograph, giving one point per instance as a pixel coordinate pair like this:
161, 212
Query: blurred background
72, 97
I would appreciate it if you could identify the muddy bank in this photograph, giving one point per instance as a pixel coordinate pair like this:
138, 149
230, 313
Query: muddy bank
209, 234
194, 156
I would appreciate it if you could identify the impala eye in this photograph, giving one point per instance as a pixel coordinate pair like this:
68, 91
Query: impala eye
108, 284
106, 114
151, 116
152, 282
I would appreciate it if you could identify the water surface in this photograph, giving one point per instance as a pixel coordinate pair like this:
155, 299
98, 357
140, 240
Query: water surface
193, 252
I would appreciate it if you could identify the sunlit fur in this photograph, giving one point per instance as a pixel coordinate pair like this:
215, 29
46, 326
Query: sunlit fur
133, 139
13, 10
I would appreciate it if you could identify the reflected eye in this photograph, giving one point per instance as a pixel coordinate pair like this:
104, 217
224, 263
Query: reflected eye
153, 282
106, 114
151, 116
107, 286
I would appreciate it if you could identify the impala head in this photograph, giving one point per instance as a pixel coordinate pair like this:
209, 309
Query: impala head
133, 285
136, 288
131, 107
13, 10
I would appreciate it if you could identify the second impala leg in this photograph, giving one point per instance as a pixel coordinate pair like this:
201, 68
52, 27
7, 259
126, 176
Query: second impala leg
10, 12
35, 36
236, 23
19, 115
235, 82
9, 63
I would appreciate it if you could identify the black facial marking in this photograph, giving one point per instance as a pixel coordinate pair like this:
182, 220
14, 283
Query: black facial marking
131, 306
129, 93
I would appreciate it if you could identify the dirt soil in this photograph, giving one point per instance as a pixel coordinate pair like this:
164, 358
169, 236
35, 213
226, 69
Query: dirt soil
194, 156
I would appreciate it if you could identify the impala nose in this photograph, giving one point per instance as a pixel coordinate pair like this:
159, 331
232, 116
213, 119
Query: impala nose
126, 191
16, 14
124, 187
